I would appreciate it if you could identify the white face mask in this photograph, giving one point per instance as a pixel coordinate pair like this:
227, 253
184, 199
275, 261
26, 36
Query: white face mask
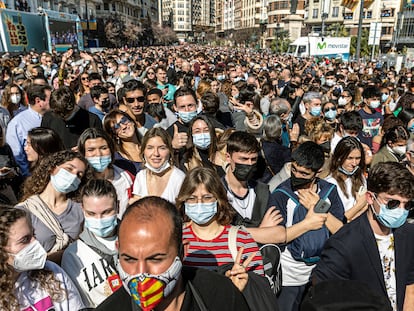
110, 71
160, 169
342, 101
400, 150
374, 104
32, 257
15, 98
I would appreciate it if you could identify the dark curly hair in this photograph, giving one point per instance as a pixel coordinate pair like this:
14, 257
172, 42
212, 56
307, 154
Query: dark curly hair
37, 182
46, 279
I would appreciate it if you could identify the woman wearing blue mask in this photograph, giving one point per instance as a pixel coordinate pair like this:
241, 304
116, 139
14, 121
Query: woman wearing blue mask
50, 194
329, 113
99, 149
28, 281
204, 205
202, 145
347, 168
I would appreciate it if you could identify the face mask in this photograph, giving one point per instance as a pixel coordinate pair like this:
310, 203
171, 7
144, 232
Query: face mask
187, 116
344, 171
105, 103
297, 183
15, 98
330, 115
123, 75
411, 128
32, 257
316, 111
34, 60
102, 227
330, 82
289, 117
100, 163
374, 104
110, 71
342, 101
221, 77
384, 97
400, 150
159, 170
243, 172
64, 181
202, 140
149, 290
201, 213
326, 146
390, 218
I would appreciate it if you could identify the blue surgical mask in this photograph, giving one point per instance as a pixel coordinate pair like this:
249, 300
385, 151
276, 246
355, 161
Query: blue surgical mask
100, 163
411, 128
201, 213
374, 104
347, 173
384, 97
316, 111
202, 140
330, 114
390, 218
102, 227
187, 116
64, 181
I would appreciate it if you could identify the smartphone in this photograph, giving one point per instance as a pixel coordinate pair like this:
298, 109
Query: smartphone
362, 190
322, 207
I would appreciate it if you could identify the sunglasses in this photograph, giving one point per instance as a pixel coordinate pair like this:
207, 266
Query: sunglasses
328, 109
151, 73
393, 204
124, 120
131, 100
84, 78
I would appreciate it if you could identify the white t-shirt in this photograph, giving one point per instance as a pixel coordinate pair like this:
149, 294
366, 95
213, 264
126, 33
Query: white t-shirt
123, 183
387, 255
95, 279
32, 297
347, 202
171, 190
244, 206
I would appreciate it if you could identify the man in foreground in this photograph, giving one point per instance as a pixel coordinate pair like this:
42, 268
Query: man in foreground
377, 247
150, 253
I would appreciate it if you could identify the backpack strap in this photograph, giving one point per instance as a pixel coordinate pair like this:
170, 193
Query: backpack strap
197, 297
294, 199
232, 241
332, 186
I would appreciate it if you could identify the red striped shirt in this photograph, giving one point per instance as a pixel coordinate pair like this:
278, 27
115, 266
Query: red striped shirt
213, 253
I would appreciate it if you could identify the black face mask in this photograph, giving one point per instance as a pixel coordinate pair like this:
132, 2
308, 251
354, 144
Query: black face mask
299, 183
105, 103
243, 172
326, 146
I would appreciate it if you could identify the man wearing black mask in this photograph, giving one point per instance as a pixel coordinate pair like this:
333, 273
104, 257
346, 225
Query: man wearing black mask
250, 198
312, 210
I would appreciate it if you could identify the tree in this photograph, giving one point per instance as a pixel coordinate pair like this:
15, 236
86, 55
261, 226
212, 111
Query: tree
131, 33
281, 43
365, 49
164, 35
147, 35
337, 30
114, 32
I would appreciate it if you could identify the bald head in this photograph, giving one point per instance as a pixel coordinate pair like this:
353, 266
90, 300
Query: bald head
150, 210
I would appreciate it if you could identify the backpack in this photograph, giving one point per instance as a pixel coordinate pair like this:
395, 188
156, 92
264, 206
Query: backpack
271, 259
308, 246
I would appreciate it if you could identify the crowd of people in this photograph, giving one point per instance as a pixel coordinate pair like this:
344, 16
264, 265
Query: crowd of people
156, 178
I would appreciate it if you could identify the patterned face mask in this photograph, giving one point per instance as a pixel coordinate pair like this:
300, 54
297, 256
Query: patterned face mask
149, 290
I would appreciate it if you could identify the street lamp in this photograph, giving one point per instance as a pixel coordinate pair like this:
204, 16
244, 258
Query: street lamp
263, 26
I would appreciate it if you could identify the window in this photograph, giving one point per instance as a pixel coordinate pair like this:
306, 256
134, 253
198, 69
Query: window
369, 14
315, 13
348, 15
106, 6
98, 7
113, 7
335, 11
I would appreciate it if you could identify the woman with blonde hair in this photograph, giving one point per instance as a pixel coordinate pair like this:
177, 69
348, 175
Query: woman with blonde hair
160, 177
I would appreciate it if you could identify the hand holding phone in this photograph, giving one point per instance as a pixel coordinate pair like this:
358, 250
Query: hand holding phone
322, 207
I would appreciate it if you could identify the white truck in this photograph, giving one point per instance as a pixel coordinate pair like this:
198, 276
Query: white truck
330, 47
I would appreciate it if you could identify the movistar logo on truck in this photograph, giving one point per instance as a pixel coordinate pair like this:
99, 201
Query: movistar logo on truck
324, 45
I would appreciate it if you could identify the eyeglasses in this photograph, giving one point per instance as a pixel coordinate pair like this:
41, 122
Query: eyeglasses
207, 198
328, 109
131, 100
84, 78
393, 204
151, 73
124, 120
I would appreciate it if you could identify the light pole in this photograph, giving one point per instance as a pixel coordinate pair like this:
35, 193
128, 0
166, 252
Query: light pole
361, 16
